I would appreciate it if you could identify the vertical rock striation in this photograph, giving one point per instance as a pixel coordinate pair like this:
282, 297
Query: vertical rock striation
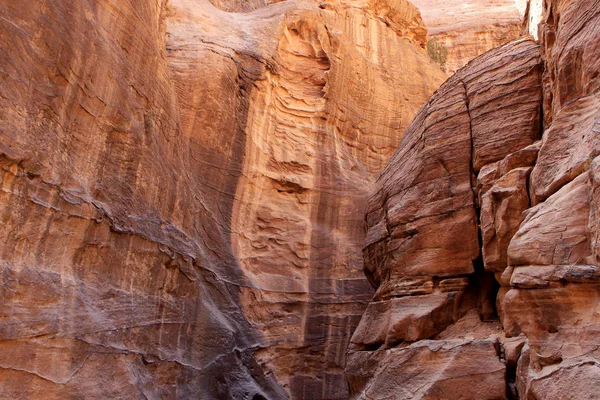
183, 187
116, 281
289, 133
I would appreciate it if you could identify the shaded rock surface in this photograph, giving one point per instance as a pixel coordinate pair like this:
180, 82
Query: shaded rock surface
182, 191
183, 187
513, 215
422, 224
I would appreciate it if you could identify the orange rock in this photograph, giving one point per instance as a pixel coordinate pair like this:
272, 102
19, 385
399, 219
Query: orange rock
501, 214
183, 188
461, 31
460, 369
422, 228
539, 232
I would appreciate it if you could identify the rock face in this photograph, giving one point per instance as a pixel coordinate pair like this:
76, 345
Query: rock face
459, 31
310, 89
183, 188
482, 239
422, 229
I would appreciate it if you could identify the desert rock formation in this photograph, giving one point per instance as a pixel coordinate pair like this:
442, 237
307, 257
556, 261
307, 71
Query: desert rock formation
459, 31
309, 87
482, 233
183, 187
422, 251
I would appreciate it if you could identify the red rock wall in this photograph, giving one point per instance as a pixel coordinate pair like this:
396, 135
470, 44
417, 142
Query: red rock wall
116, 279
183, 190
423, 251
482, 231
289, 133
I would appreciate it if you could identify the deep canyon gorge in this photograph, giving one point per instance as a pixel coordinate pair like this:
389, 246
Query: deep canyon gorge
300, 199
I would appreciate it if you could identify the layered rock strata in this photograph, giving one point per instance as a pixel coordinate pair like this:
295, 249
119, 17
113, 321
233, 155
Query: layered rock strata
472, 196
183, 187
422, 251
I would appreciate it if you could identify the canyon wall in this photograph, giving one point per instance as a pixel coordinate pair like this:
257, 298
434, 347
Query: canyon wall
289, 133
117, 281
183, 187
459, 31
482, 232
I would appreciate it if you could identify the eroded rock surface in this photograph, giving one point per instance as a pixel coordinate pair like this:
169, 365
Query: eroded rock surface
183, 187
309, 87
459, 31
533, 204
422, 225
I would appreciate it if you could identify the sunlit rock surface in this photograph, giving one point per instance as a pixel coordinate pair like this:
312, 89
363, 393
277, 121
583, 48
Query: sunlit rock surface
459, 31
183, 187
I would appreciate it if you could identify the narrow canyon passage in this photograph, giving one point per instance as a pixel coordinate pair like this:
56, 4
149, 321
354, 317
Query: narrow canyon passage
299, 199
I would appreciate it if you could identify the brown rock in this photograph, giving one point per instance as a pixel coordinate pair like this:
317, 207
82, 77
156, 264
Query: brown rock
568, 148
555, 232
545, 257
420, 191
421, 223
562, 326
569, 34
501, 214
490, 173
472, 327
389, 322
429, 369
183, 191
505, 108
502, 193
540, 276
513, 348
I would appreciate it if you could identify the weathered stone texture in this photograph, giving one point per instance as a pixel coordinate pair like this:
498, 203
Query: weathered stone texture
466, 29
535, 204
182, 190
422, 225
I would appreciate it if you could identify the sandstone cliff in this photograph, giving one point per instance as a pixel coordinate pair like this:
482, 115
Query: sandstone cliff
183, 188
482, 232
459, 31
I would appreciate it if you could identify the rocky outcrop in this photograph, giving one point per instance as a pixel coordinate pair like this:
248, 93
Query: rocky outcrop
472, 196
460, 31
422, 228
183, 188
554, 255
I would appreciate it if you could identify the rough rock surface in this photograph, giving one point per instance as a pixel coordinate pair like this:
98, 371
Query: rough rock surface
535, 267
182, 190
423, 251
467, 28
